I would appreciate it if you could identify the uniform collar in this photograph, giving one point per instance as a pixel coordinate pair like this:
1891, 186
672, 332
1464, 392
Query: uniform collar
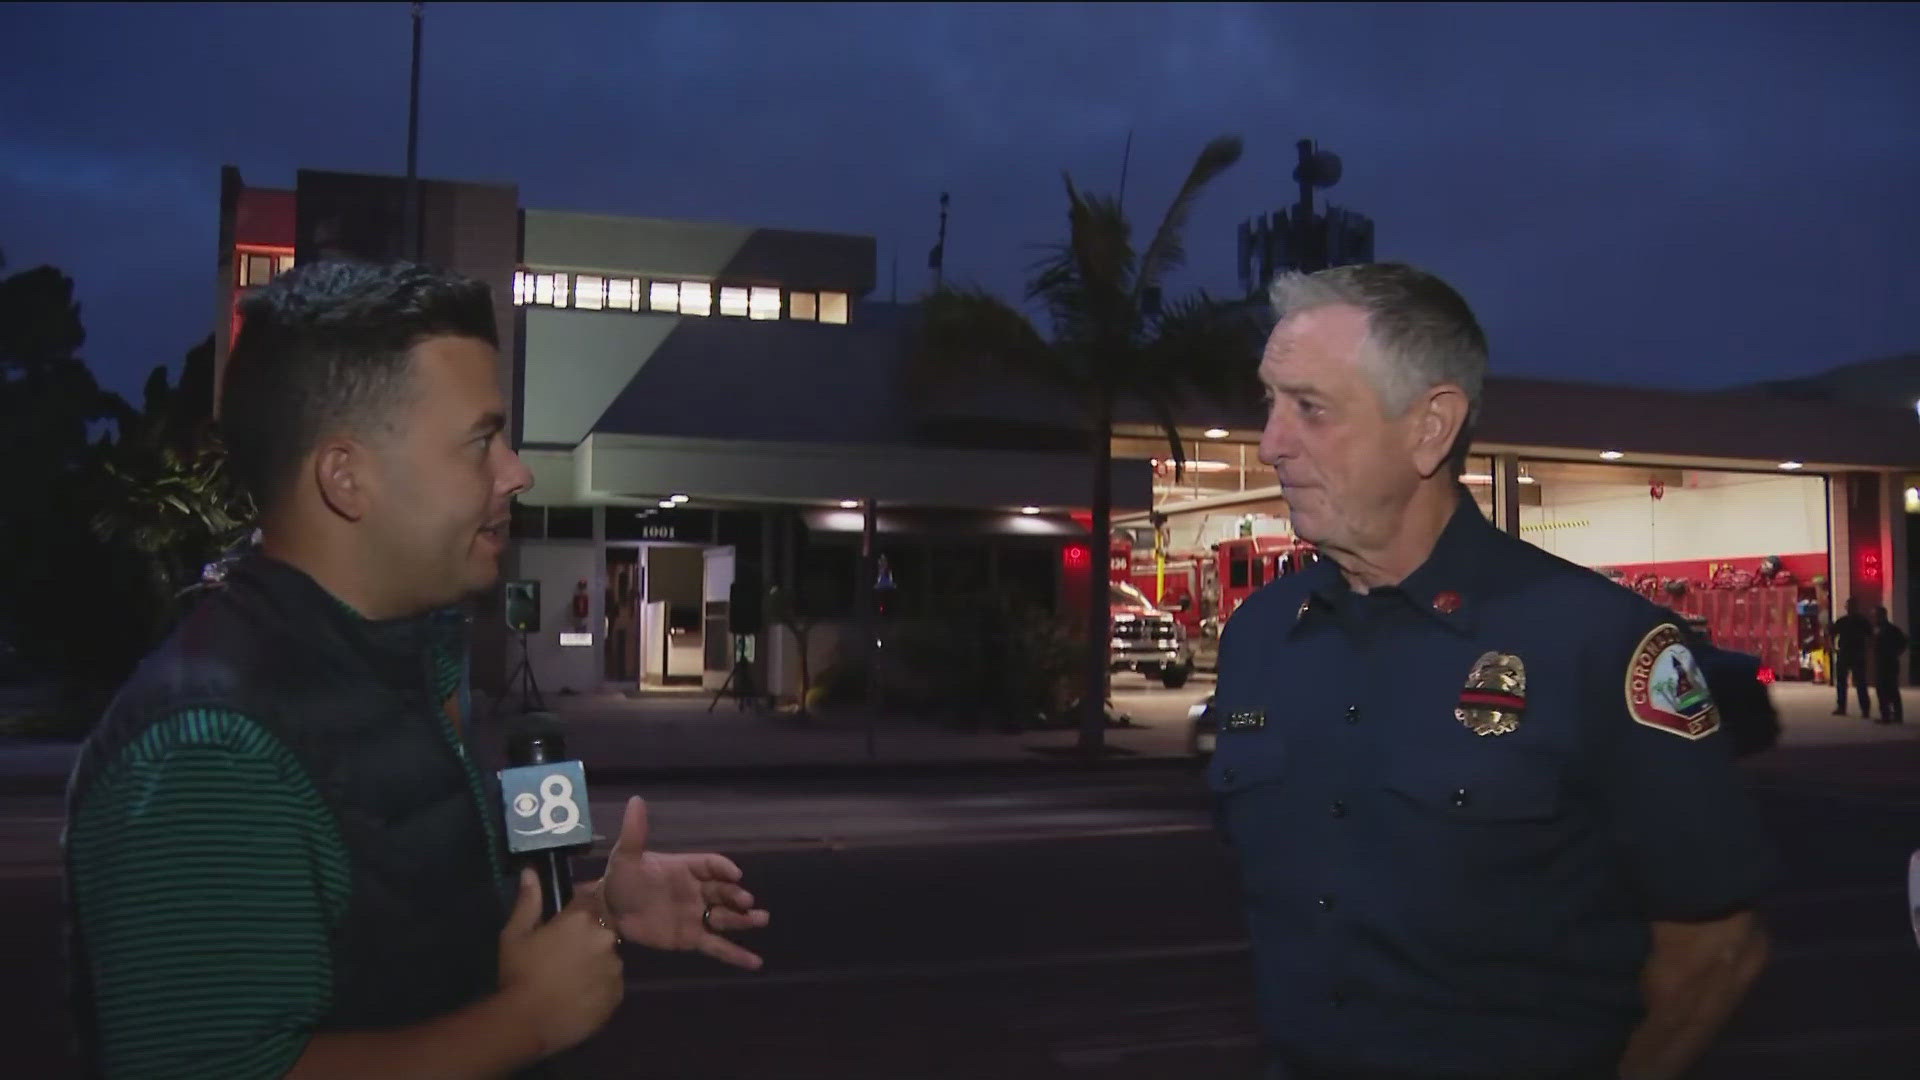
1448, 586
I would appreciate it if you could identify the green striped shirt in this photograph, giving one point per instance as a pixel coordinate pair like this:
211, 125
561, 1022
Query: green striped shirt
208, 878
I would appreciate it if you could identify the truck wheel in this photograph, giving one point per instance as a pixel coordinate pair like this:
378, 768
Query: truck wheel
1173, 678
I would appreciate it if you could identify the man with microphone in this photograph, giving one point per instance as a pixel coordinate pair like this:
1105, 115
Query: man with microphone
281, 859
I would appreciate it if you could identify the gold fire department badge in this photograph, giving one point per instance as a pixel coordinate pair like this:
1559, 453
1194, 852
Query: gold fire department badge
1495, 695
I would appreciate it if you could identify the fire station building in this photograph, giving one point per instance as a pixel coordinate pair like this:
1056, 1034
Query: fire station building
708, 404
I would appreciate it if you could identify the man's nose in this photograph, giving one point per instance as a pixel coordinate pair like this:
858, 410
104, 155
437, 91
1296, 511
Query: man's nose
518, 478
1277, 441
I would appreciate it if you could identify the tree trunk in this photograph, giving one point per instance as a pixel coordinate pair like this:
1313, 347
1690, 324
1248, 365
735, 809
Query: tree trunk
801, 638
1093, 698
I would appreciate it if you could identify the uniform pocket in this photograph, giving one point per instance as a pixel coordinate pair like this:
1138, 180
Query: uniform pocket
1481, 840
1245, 777
1508, 791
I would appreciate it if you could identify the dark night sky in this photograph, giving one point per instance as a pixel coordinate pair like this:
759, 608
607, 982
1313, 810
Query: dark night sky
1679, 196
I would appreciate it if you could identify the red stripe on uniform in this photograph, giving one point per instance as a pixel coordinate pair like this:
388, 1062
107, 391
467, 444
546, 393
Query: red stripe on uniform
1496, 700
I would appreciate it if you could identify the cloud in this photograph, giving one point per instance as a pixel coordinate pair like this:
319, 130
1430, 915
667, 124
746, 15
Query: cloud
1687, 195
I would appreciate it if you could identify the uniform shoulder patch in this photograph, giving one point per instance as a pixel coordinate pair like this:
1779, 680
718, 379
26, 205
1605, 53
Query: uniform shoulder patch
1666, 688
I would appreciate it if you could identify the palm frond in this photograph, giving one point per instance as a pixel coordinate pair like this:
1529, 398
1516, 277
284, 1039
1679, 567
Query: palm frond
1210, 346
969, 332
1167, 252
1086, 281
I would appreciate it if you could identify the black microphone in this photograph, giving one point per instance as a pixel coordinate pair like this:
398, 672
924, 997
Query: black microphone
544, 798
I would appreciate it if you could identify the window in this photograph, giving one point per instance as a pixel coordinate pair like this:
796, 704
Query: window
598, 292
589, 292
529, 522
623, 294
1237, 570
259, 267
696, 298
664, 296
569, 522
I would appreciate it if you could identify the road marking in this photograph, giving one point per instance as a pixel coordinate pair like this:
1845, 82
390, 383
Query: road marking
940, 969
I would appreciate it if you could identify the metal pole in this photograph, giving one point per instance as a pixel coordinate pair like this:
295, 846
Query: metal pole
413, 211
1306, 254
865, 622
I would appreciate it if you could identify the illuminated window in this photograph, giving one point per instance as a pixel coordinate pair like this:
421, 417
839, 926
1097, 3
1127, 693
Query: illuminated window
559, 290
733, 301
589, 292
765, 303
802, 305
255, 270
522, 288
833, 307
664, 296
286, 264
696, 298
623, 294
543, 289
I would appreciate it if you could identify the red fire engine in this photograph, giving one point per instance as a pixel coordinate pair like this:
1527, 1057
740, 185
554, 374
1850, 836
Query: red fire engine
1203, 588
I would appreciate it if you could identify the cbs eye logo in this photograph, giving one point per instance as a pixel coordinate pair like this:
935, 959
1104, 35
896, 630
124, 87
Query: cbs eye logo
555, 807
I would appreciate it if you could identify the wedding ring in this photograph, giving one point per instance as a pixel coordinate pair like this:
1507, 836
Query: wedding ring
706, 919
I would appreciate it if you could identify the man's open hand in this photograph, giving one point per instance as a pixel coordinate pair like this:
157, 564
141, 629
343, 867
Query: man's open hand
677, 902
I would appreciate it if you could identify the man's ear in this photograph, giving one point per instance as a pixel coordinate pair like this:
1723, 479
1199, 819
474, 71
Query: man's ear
1439, 416
342, 472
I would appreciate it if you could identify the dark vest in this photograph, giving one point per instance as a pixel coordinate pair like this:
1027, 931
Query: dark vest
354, 701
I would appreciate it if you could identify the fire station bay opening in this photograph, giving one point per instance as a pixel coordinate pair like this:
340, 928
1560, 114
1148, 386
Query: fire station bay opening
1744, 555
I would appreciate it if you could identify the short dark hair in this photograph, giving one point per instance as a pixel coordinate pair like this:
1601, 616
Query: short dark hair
327, 344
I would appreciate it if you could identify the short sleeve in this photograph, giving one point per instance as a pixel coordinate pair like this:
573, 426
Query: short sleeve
1681, 818
205, 875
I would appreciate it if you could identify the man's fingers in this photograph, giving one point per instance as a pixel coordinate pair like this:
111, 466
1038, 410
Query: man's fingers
728, 953
526, 906
727, 920
633, 827
717, 868
721, 894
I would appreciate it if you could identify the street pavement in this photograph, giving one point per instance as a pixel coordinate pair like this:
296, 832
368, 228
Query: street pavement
1013, 916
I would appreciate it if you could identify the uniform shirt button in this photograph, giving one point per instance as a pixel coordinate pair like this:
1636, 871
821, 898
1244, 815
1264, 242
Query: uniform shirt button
1339, 809
1353, 714
1461, 797
1326, 903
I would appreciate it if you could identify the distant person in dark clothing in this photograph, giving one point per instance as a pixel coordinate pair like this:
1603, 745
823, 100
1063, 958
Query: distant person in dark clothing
1889, 646
1850, 636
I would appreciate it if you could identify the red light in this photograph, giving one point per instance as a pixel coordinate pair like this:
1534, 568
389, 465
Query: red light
1766, 675
1870, 566
1074, 555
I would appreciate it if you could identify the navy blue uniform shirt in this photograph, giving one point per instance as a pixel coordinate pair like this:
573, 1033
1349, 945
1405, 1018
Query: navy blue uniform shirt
1426, 898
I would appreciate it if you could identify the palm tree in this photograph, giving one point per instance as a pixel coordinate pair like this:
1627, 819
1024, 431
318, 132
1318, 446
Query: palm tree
1113, 340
